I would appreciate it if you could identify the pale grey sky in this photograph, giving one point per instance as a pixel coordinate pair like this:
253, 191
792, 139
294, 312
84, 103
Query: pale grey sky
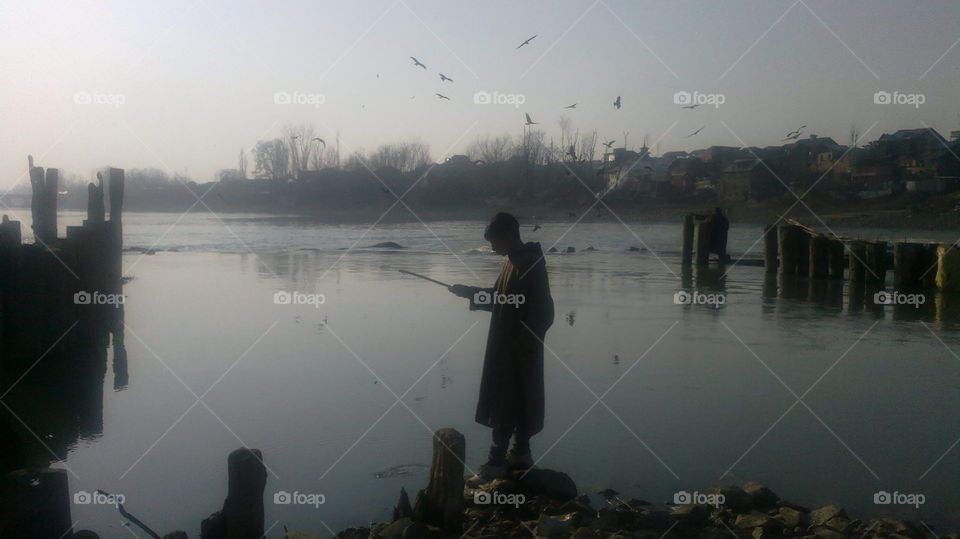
183, 85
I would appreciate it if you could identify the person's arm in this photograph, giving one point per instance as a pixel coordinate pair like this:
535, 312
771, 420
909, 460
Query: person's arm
474, 293
537, 310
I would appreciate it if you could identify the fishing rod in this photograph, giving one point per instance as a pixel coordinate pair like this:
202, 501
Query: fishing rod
424, 277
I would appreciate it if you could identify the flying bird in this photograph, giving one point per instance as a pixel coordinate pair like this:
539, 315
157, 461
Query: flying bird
793, 135
691, 107
294, 137
417, 63
441, 96
526, 42
536, 227
617, 103
609, 143
573, 106
321, 141
695, 132
529, 120
445, 78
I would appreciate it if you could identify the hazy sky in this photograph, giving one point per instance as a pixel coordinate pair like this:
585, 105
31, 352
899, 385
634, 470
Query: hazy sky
182, 86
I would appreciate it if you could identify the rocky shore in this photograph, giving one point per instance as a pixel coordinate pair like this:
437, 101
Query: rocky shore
546, 503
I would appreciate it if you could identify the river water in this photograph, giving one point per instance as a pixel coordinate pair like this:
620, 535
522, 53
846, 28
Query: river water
808, 388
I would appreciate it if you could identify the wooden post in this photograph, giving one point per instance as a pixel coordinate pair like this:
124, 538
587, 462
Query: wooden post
803, 257
686, 252
10, 233
876, 262
444, 496
115, 230
770, 260
95, 207
37, 504
789, 238
819, 255
701, 242
837, 259
243, 508
858, 256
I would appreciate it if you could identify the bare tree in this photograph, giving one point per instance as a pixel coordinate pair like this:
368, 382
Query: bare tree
242, 165
272, 158
854, 135
491, 149
403, 156
300, 138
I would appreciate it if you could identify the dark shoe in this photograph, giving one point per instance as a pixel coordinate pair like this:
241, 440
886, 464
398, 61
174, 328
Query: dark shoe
488, 472
519, 461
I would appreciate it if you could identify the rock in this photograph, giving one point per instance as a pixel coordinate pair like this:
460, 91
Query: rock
637, 249
403, 509
176, 535
762, 497
735, 498
354, 533
419, 530
550, 483
300, 535
590, 249
791, 518
690, 513
570, 250
387, 245
756, 520
608, 493
393, 530
587, 533
555, 526
841, 524
84, 534
552, 250
827, 533
822, 515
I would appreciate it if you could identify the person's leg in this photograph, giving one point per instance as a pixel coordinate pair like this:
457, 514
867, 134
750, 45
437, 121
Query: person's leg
498, 448
519, 457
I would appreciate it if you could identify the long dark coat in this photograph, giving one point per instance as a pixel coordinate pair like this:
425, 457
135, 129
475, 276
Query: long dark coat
511, 390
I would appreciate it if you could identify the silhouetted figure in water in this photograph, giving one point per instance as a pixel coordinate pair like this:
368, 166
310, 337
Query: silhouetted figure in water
511, 390
719, 237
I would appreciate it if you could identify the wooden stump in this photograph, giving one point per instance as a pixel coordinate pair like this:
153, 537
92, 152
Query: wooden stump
858, 256
686, 251
837, 258
771, 248
243, 508
876, 260
819, 256
443, 503
789, 239
702, 234
37, 504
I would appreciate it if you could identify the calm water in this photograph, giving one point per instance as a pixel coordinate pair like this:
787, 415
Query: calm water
692, 396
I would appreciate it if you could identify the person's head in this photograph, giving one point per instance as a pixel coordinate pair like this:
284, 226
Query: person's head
503, 233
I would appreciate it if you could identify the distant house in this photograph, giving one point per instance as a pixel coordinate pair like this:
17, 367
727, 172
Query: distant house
748, 179
684, 174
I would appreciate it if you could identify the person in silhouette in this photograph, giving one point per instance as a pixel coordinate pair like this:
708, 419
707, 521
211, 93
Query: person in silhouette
511, 388
719, 235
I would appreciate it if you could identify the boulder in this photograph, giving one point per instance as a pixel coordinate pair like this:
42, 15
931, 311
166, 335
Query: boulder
735, 498
299, 535
820, 516
762, 498
550, 483
570, 250
386, 245
791, 518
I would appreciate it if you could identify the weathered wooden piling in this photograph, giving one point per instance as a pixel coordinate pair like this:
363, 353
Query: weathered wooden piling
858, 255
686, 251
948, 267
790, 242
876, 261
819, 257
914, 265
702, 241
771, 249
36, 504
243, 508
10, 233
442, 503
837, 258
